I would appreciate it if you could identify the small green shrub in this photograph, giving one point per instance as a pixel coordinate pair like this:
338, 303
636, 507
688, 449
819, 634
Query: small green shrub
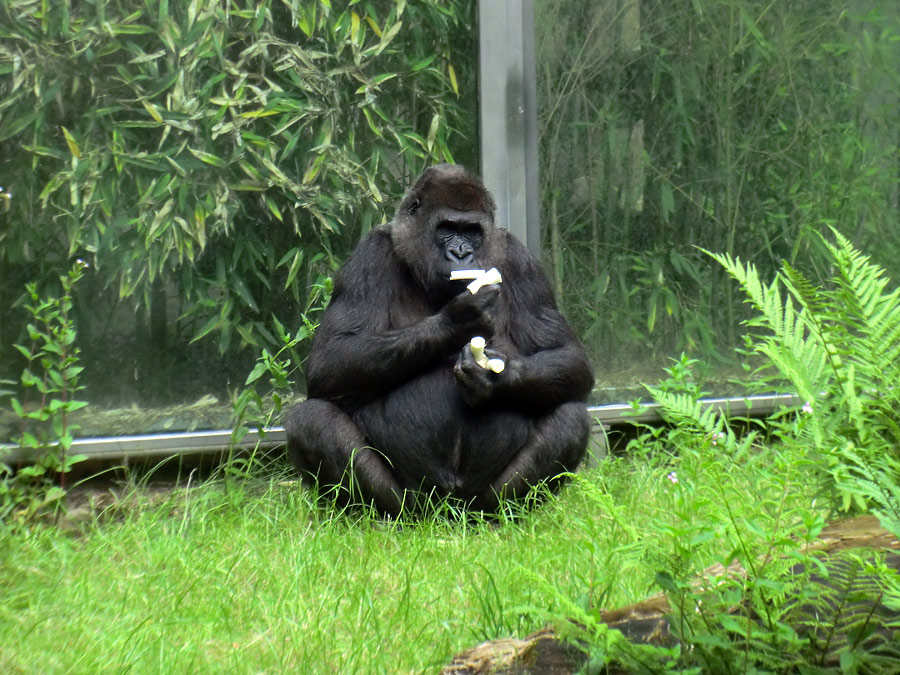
51, 377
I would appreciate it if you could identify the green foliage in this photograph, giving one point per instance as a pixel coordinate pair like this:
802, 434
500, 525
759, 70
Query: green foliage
873, 479
211, 161
769, 604
720, 526
262, 409
52, 375
726, 538
752, 497
839, 351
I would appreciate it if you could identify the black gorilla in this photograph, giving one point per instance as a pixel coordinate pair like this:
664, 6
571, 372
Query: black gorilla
398, 406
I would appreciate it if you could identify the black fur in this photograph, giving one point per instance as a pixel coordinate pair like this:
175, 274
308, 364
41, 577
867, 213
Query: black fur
397, 405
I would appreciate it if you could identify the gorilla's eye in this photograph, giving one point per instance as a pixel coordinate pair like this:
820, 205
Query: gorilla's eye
444, 233
414, 207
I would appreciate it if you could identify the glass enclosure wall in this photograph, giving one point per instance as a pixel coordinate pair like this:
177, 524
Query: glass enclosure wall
187, 176
200, 169
745, 127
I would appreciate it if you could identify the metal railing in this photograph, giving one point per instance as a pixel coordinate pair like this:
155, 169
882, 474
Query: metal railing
118, 448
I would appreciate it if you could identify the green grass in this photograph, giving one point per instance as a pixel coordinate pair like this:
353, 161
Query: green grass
257, 579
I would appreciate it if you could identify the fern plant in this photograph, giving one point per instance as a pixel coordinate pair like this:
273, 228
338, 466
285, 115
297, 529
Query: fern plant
839, 348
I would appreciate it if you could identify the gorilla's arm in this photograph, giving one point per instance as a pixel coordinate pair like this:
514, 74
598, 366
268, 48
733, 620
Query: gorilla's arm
546, 365
547, 378
358, 353
536, 382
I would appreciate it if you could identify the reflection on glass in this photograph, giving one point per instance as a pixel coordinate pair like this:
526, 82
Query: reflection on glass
210, 165
737, 126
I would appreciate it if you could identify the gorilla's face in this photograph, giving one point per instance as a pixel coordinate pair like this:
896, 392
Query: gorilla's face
460, 242
445, 223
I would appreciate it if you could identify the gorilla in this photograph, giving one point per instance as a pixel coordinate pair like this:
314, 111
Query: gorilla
399, 407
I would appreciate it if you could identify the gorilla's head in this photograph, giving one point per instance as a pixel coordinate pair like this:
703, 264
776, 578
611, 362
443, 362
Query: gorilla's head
444, 223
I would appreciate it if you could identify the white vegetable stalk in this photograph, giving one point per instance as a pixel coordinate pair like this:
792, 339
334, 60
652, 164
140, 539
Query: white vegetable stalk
477, 346
492, 276
480, 277
459, 275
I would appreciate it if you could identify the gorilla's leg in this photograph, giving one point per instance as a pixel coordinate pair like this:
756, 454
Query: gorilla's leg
325, 444
557, 445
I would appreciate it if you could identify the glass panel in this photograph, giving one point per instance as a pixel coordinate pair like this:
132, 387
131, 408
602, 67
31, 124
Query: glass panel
204, 167
737, 126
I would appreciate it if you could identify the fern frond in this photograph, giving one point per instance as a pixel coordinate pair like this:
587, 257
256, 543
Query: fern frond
870, 315
841, 603
874, 477
819, 314
841, 346
807, 293
794, 347
687, 412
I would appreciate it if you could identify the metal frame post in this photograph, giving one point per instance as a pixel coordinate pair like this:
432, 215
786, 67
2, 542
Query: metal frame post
508, 115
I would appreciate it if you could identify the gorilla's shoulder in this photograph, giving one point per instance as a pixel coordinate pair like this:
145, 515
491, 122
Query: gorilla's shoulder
378, 238
514, 251
372, 263
516, 261
374, 249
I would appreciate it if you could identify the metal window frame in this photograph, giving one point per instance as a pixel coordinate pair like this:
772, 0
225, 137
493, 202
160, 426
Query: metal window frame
212, 442
507, 108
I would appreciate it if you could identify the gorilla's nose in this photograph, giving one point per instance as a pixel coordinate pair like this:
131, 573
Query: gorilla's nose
460, 253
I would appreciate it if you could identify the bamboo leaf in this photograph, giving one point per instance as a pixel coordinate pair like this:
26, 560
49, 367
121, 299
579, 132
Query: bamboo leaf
667, 201
208, 158
160, 219
130, 29
432, 131
253, 114
212, 323
374, 26
237, 283
8, 129
368, 115
70, 141
313, 170
384, 77
354, 27
145, 58
389, 35
273, 207
294, 269
453, 83
154, 113
424, 63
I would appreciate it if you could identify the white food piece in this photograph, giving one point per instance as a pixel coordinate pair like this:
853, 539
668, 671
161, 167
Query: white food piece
457, 275
492, 276
477, 345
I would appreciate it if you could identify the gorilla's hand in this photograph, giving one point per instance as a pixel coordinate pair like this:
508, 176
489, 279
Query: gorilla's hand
474, 314
476, 384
